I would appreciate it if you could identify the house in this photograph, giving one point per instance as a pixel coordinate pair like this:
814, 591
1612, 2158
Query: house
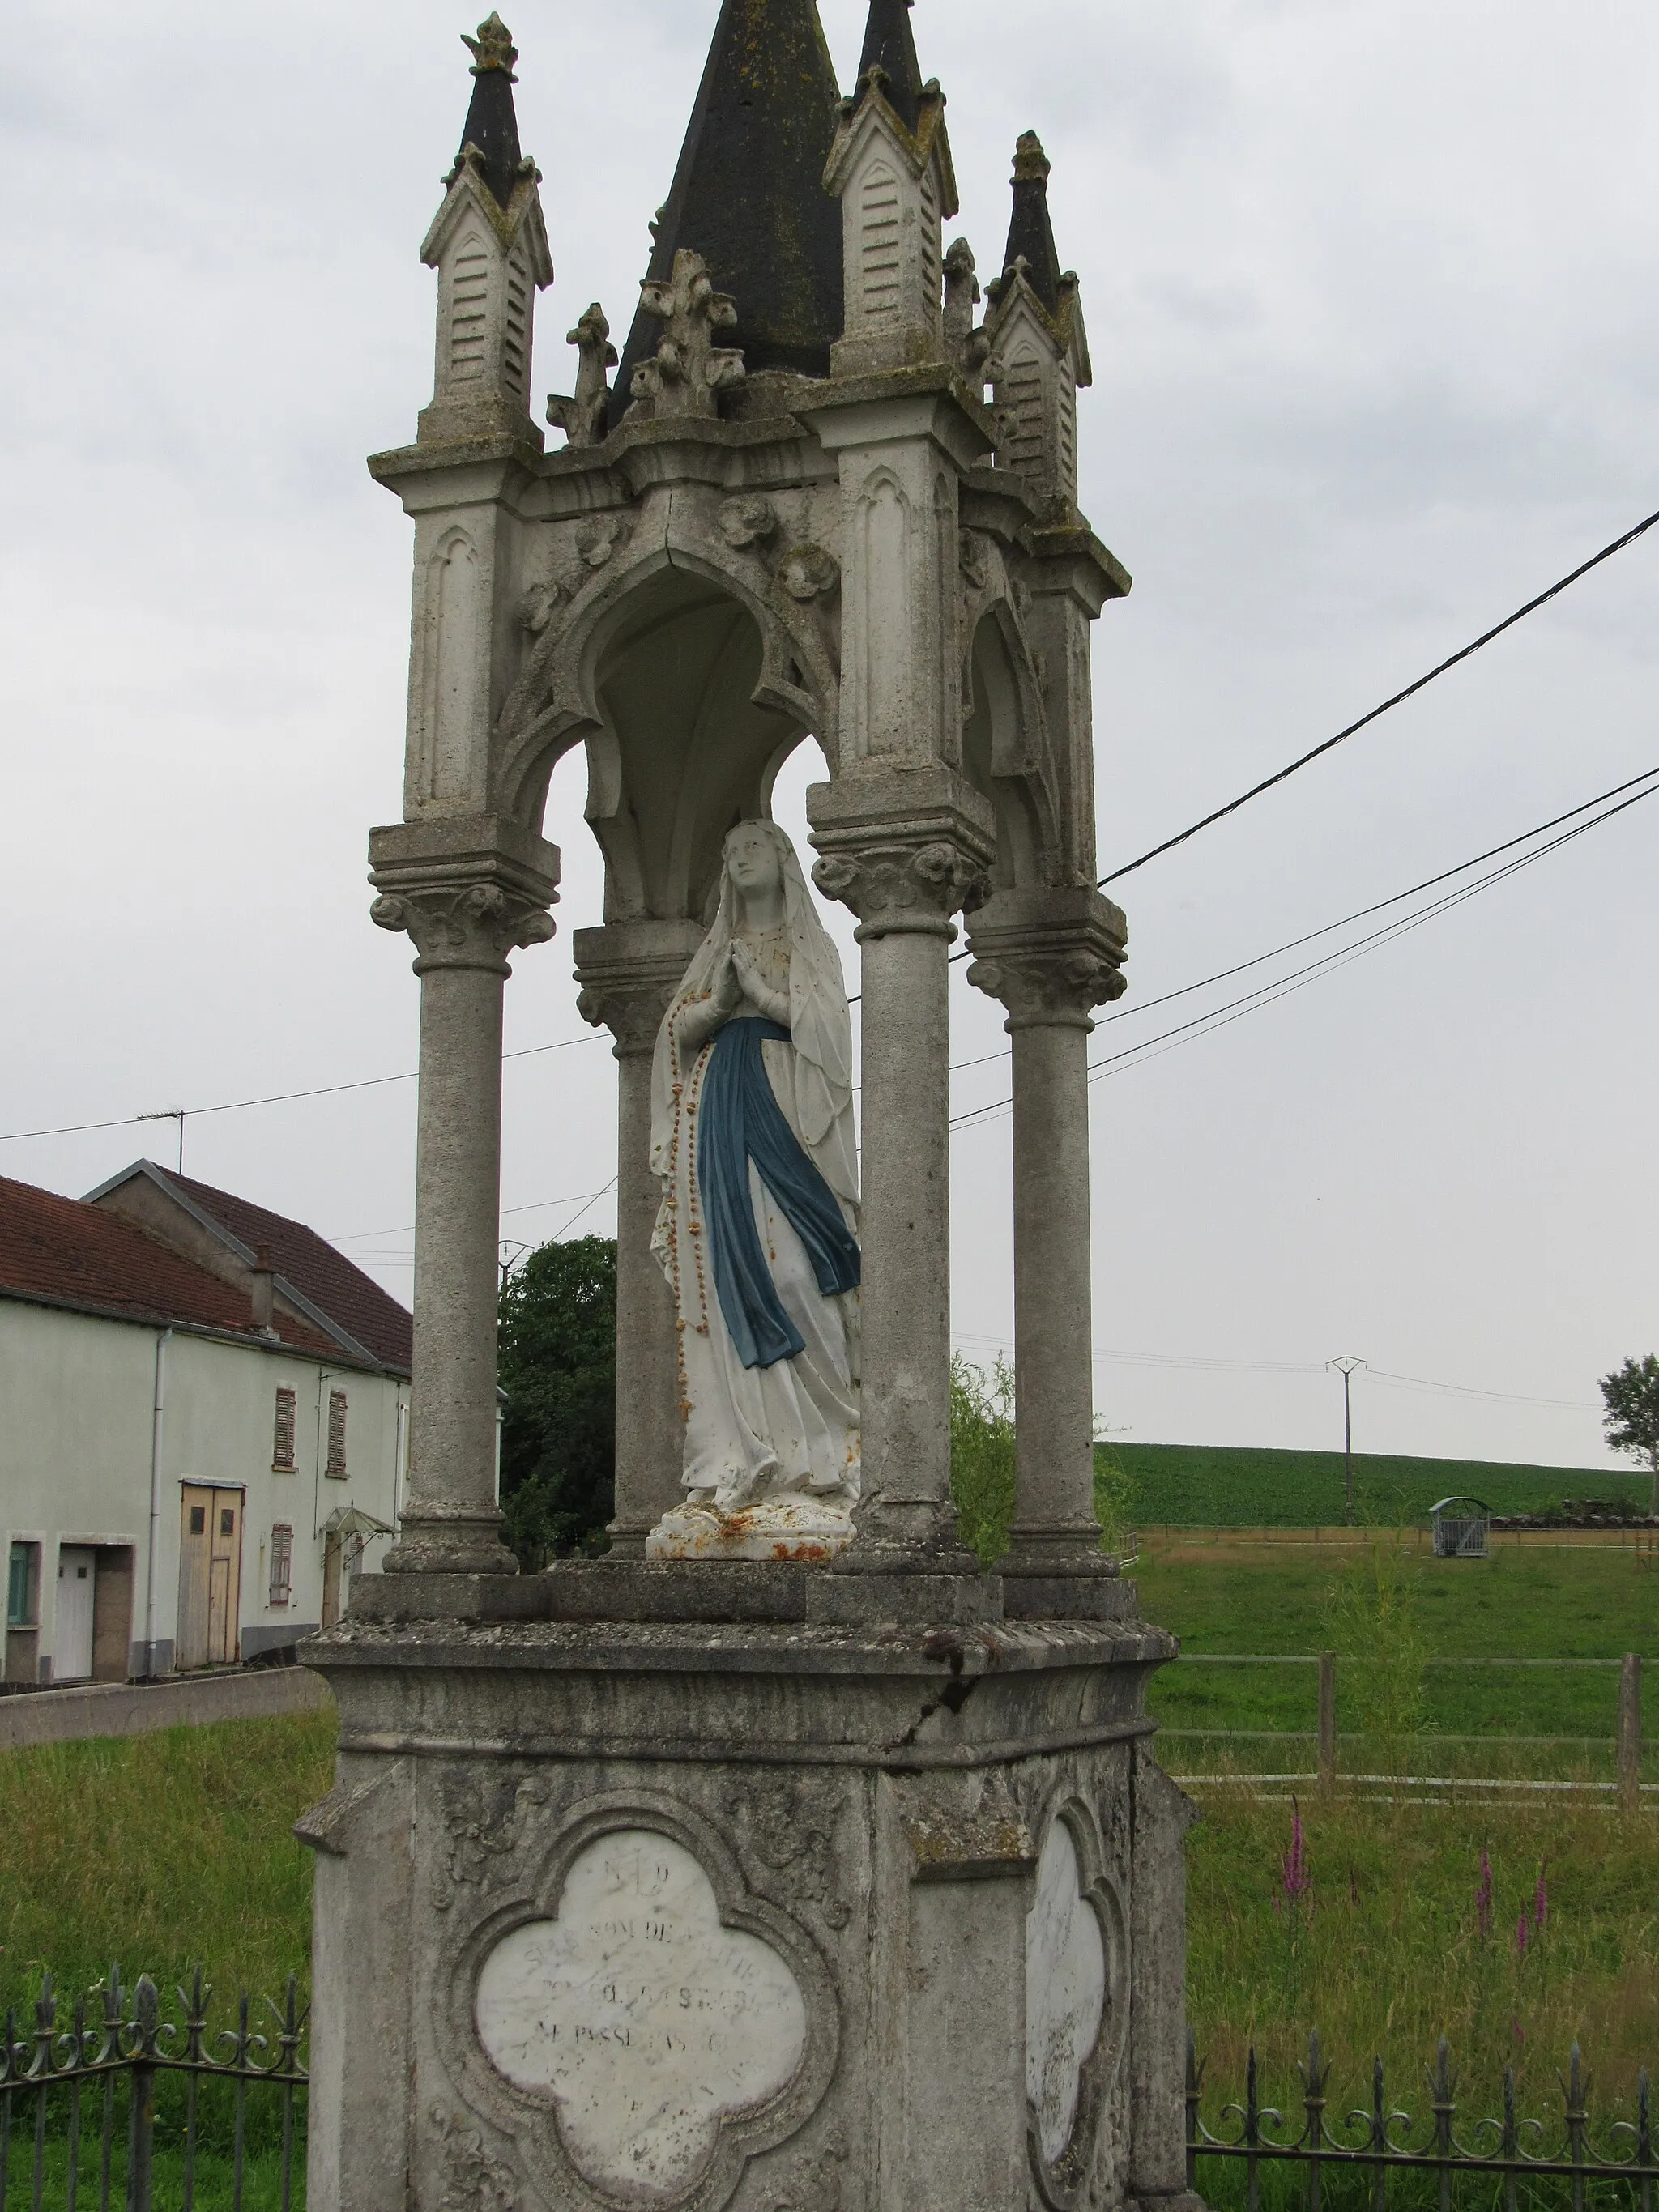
204, 1416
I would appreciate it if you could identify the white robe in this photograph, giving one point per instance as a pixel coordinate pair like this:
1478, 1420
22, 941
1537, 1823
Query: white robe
753, 1432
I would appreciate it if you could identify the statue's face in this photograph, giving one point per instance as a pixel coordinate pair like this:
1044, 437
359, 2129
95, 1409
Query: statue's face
752, 860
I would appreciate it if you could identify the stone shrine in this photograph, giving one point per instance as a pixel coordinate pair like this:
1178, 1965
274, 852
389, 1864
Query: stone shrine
781, 1859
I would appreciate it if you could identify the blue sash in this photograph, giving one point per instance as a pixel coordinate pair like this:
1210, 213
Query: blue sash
741, 1120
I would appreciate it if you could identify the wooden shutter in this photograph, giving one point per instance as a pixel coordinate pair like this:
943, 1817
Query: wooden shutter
336, 1433
282, 1450
281, 1564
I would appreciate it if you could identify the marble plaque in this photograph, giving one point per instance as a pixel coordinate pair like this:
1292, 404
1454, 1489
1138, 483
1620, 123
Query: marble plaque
648, 2021
1065, 1991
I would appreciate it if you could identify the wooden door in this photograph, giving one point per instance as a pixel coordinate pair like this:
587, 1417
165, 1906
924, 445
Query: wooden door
71, 1654
195, 1577
209, 1577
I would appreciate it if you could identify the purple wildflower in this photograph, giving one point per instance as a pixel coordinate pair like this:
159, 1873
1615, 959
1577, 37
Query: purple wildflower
1540, 1903
1483, 1898
1522, 1930
1294, 1875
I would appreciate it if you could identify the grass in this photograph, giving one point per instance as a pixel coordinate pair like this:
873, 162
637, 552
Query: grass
165, 1850
1586, 1601
1386, 1950
1229, 1487
159, 1852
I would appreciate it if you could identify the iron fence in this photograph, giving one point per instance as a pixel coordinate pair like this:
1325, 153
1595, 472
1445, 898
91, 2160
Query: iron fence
1570, 2148
86, 2091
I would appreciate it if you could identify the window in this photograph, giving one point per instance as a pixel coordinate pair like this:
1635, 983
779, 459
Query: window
336, 1445
281, 1451
281, 1564
24, 1586
198, 1519
226, 1519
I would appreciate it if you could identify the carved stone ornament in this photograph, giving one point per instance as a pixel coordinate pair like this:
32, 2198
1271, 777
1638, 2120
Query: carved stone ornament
597, 540
904, 887
807, 571
473, 2180
660, 2033
484, 1826
792, 1831
474, 926
1053, 985
687, 368
1076, 2007
965, 348
748, 519
537, 606
816, 2183
582, 417
973, 552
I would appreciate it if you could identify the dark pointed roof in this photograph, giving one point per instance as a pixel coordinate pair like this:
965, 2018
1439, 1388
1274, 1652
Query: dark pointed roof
749, 195
1030, 233
492, 125
889, 43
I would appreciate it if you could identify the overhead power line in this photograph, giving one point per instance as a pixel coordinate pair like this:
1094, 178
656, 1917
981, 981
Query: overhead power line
1236, 1009
276, 1098
1185, 1363
1411, 690
1360, 913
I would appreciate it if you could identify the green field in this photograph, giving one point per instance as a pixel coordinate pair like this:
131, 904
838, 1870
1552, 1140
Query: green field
1226, 1486
156, 1852
1581, 1601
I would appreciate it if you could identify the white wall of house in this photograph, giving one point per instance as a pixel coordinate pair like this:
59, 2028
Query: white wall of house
78, 1430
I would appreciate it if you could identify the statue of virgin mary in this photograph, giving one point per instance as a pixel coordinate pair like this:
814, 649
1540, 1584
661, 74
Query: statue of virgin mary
752, 1136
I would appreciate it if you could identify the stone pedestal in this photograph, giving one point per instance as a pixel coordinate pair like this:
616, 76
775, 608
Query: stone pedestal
692, 1913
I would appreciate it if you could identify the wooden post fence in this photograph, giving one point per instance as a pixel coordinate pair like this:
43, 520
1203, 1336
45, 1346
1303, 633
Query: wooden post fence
1630, 1731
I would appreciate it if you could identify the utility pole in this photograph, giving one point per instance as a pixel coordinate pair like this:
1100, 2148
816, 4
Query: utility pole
508, 1257
1345, 1368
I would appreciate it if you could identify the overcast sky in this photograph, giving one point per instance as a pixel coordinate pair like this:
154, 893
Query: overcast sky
1373, 295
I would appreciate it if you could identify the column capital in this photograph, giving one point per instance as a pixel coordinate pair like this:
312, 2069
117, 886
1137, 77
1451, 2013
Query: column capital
467, 892
627, 971
904, 848
1050, 955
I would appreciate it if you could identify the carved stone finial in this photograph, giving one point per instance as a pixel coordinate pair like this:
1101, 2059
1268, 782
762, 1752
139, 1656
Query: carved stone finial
966, 348
1030, 162
582, 418
493, 48
687, 368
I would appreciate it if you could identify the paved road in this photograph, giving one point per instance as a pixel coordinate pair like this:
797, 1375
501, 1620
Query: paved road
136, 1708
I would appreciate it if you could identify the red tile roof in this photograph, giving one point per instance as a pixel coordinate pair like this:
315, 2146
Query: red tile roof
67, 1253
352, 1300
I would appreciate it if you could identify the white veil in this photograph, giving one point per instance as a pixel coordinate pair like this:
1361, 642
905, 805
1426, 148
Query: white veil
820, 1027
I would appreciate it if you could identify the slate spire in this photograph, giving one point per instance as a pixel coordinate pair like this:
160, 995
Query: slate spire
890, 44
492, 125
1030, 232
749, 195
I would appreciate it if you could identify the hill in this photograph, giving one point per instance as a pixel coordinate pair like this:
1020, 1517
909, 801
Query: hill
1227, 1485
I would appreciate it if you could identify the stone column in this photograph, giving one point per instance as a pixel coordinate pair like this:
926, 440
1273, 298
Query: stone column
628, 972
465, 899
904, 880
1050, 955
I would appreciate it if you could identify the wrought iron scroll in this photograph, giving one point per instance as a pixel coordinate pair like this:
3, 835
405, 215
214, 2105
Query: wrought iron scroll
79, 2066
1381, 2138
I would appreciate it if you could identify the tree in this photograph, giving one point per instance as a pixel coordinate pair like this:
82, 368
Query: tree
1630, 1394
558, 1368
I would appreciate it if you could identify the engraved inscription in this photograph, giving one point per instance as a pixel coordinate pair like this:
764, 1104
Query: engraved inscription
648, 2021
1065, 1992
